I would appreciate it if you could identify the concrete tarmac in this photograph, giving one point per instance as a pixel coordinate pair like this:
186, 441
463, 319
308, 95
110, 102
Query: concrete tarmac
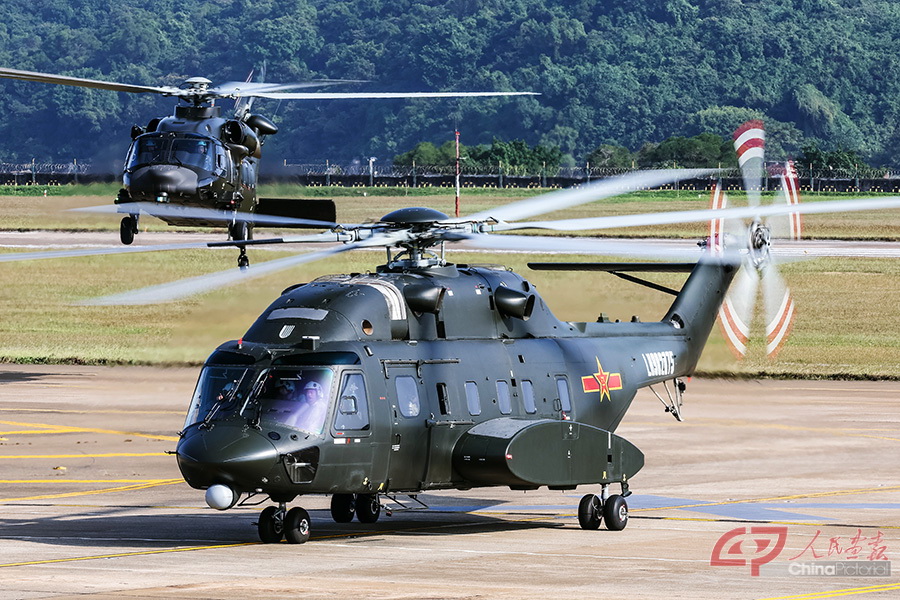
91, 505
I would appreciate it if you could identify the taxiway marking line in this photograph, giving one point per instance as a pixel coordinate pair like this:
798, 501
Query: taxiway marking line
125, 488
700, 422
845, 592
69, 429
776, 498
102, 455
126, 554
110, 411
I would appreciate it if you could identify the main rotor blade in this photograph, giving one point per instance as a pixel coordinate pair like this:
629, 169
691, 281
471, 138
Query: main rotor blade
176, 290
198, 213
606, 188
76, 252
381, 95
690, 216
243, 88
88, 83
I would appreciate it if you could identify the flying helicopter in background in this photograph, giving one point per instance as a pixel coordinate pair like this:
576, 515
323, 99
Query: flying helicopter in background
198, 167
429, 375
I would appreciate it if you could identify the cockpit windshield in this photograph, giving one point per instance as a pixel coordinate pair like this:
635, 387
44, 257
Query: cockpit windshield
194, 151
220, 392
295, 397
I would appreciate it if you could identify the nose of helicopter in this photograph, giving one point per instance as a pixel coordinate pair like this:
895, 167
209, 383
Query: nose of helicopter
153, 180
225, 454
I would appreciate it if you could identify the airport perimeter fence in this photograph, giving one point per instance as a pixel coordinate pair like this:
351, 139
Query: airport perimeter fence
369, 174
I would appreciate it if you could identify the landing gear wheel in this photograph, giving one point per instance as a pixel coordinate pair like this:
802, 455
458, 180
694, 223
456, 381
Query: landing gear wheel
342, 507
271, 525
243, 260
368, 508
239, 231
615, 513
589, 512
296, 526
127, 229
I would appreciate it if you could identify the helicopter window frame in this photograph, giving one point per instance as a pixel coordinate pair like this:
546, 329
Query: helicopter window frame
353, 415
504, 400
408, 400
473, 399
528, 397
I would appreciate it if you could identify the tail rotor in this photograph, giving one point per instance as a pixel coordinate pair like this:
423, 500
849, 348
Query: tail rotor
759, 265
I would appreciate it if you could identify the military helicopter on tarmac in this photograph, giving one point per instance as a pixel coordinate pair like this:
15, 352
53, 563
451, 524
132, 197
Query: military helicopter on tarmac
429, 375
197, 167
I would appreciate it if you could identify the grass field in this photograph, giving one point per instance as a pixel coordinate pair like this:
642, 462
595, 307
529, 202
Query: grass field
848, 322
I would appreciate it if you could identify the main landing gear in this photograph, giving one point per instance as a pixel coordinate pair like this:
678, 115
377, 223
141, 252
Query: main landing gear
277, 523
612, 509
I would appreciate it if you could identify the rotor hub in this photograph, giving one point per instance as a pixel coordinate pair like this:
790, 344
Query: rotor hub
759, 244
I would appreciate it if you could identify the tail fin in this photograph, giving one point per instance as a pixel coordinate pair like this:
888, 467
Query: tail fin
696, 306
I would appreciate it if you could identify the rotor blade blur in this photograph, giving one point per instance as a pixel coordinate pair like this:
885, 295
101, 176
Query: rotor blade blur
635, 248
749, 144
606, 188
76, 252
779, 308
177, 290
381, 95
201, 214
88, 83
691, 216
736, 312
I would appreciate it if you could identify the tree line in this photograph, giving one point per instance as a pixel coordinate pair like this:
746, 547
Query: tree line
642, 77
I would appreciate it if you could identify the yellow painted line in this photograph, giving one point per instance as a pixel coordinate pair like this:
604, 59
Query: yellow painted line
109, 411
817, 524
62, 480
126, 488
127, 554
103, 455
777, 498
68, 429
887, 587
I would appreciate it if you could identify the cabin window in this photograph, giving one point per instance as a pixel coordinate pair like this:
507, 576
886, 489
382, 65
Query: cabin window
503, 400
472, 400
562, 388
407, 395
443, 399
528, 397
353, 406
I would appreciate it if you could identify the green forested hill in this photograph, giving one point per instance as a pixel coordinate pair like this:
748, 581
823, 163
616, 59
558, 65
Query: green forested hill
609, 72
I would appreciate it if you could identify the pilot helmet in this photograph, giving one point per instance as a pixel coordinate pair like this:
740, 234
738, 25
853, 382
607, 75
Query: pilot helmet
313, 389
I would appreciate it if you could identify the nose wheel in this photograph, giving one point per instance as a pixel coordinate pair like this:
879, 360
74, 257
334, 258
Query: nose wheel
276, 523
243, 259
